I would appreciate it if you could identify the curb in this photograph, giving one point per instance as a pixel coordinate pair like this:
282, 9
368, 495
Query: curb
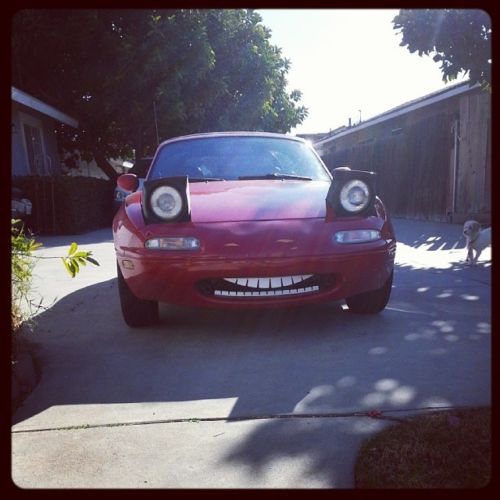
24, 376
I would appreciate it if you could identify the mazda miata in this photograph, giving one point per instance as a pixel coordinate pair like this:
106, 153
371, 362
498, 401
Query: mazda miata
250, 220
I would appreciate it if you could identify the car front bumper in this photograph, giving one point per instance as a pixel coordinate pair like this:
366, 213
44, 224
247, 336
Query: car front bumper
194, 280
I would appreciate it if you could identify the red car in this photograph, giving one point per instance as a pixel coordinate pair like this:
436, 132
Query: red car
247, 219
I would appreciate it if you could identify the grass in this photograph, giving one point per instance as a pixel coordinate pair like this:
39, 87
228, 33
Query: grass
444, 449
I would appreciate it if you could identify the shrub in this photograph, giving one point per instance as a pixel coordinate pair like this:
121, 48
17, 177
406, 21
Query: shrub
22, 264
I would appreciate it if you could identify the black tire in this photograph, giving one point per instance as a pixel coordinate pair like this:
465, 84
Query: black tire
371, 302
136, 312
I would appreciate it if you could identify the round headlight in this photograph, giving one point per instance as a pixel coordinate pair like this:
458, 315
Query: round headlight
166, 202
355, 196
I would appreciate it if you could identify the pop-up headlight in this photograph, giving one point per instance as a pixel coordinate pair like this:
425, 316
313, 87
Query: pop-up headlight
352, 191
166, 200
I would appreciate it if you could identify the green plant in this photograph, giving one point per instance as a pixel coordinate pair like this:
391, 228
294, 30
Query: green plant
22, 270
74, 259
22, 264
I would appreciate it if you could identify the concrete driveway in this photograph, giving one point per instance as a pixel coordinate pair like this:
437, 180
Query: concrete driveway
217, 399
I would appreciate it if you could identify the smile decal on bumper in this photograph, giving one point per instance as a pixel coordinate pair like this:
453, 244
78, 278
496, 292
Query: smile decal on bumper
276, 286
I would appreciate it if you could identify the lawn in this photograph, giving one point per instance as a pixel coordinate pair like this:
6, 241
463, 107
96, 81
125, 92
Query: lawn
443, 449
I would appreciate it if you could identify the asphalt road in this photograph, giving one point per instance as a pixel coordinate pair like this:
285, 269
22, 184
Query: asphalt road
269, 399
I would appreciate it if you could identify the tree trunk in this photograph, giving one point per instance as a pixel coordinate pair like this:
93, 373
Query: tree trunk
105, 166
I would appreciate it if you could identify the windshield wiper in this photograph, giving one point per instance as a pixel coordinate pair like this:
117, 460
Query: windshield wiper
274, 176
204, 179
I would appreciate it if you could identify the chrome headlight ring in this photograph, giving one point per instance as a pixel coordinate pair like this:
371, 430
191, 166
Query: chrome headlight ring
166, 202
355, 196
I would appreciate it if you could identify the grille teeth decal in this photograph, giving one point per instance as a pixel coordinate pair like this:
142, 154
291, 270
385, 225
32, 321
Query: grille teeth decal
267, 283
272, 286
268, 293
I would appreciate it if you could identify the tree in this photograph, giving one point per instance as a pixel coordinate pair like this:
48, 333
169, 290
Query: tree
116, 70
460, 39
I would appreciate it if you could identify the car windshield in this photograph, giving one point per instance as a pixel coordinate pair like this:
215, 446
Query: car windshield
238, 157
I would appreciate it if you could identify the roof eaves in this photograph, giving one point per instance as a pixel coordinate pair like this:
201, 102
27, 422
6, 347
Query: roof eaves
32, 102
404, 108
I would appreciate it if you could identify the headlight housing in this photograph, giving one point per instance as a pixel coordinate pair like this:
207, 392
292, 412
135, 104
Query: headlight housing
166, 200
352, 192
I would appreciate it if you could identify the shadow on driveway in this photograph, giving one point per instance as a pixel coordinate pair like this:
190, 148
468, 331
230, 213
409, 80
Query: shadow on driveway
434, 235
429, 348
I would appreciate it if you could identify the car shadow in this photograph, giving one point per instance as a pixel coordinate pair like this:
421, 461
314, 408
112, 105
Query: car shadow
311, 360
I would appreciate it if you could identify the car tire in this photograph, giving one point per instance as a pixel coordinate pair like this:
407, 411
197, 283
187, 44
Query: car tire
136, 312
371, 302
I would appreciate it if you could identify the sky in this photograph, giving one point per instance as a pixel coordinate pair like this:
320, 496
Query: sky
348, 64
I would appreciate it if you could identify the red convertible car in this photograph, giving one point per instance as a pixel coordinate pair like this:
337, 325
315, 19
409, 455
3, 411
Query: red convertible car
247, 219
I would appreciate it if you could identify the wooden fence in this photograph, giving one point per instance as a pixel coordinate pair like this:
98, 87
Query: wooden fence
428, 172
412, 167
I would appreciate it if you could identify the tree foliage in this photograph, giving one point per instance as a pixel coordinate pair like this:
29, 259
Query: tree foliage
458, 39
197, 70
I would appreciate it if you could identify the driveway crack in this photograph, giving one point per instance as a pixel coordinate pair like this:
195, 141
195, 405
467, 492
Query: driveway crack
374, 413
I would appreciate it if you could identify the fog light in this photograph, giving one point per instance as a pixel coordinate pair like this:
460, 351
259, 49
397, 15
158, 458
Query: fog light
357, 236
173, 244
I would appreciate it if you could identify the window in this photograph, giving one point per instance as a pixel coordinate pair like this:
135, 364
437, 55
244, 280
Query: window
33, 143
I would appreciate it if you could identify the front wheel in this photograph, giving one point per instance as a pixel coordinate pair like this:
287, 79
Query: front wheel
371, 302
136, 312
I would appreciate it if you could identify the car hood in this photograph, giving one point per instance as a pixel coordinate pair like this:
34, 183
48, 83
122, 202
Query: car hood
235, 201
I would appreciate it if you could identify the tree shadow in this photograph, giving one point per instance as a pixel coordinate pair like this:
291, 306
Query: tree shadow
436, 354
432, 235
311, 360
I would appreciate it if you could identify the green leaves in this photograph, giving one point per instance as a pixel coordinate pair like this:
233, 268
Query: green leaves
74, 260
22, 264
458, 39
206, 69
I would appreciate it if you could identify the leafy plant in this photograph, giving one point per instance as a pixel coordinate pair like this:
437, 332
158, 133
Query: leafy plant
22, 264
22, 271
74, 260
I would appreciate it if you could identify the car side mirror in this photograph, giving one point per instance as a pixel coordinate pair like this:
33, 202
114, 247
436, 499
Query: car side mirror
128, 182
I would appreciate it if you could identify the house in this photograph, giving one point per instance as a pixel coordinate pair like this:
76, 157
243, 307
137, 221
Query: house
48, 199
432, 155
33, 138
313, 137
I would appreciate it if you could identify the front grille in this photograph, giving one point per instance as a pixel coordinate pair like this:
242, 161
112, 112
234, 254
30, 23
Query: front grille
276, 286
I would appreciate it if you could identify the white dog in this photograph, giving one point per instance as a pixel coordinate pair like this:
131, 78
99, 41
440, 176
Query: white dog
477, 240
